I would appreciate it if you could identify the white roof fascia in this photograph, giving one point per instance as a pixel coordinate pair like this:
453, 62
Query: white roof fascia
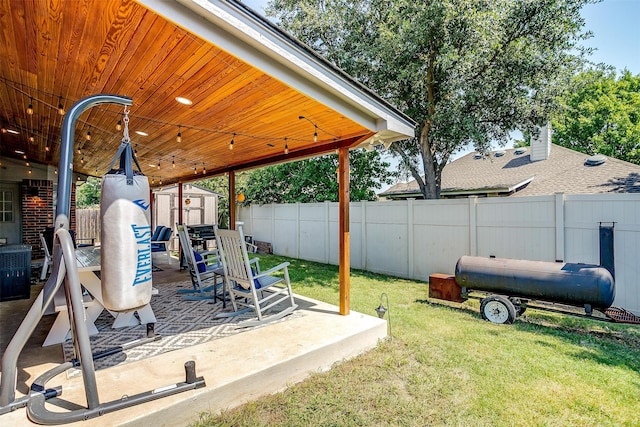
241, 34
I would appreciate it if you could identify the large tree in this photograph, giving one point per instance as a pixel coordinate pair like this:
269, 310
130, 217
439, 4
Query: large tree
316, 179
601, 114
88, 194
468, 71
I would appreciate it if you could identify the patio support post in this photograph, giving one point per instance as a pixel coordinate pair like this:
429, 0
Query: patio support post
232, 200
180, 206
345, 256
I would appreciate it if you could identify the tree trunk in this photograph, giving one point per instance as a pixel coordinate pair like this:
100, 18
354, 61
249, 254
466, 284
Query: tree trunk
431, 189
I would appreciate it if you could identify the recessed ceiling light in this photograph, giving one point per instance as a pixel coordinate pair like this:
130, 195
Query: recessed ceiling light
139, 132
15, 132
184, 101
19, 152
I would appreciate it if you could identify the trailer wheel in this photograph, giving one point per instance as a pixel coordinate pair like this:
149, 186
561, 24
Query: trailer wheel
519, 305
498, 309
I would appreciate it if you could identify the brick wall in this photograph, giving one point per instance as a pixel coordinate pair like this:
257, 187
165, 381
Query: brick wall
37, 212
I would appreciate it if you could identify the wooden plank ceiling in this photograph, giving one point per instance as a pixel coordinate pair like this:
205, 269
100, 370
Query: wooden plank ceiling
56, 52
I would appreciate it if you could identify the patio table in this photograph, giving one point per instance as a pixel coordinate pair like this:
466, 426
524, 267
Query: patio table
88, 259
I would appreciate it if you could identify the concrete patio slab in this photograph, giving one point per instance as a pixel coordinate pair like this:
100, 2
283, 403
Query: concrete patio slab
237, 369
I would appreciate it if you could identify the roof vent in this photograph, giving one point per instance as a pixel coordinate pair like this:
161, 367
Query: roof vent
499, 153
519, 151
595, 160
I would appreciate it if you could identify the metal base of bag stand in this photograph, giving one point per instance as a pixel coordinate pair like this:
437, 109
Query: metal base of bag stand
37, 412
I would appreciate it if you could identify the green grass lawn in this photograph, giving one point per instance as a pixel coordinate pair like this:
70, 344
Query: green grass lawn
446, 366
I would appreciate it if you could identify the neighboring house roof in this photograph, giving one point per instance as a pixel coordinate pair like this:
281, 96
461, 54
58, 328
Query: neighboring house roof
511, 174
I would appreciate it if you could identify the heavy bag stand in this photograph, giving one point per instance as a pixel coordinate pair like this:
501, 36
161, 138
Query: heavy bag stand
65, 268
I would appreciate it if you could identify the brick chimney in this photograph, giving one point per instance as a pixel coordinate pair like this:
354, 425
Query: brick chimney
541, 145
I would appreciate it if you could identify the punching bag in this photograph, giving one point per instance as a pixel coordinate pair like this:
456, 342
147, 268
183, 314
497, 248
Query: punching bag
125, 235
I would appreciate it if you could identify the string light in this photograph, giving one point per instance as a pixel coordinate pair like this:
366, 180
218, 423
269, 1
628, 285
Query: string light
315, 128
181, 160
82, 159
160, 180
204, 169
153, 180
158, 164
60, 109
195, 170
32, 138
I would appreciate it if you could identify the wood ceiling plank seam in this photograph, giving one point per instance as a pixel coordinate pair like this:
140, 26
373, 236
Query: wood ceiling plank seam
5, 104
73, 38
129, 58
196, 56
28, 36
94, 36
8, 53
47, 114
139, 23
164, 81
54, 124
66, 53
228, 95
193, 86
116, 33
99, 45
158, 59
157, 69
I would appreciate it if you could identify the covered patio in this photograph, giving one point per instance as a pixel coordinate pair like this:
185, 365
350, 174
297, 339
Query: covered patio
238, 366
216, 89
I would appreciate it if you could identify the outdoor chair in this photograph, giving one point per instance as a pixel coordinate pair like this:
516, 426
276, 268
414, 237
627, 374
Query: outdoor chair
204, 268
48, 259
248, 287
160, 240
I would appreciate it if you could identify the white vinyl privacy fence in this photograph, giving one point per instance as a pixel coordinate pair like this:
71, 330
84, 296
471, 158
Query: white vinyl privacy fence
416, 238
